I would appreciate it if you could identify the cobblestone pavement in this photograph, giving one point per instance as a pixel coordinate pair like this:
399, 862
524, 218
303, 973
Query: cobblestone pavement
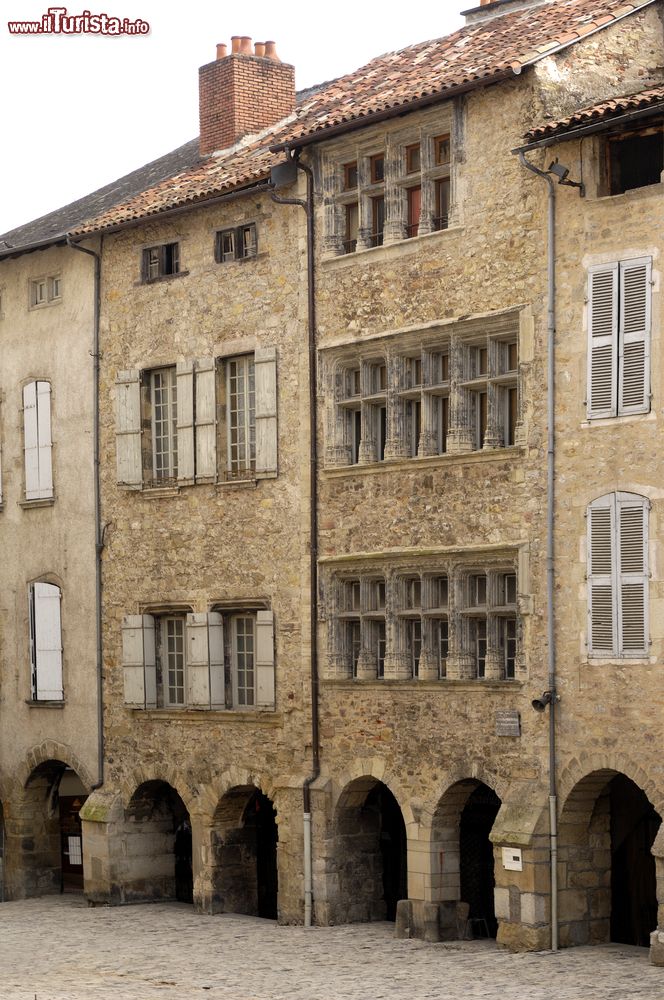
55, 948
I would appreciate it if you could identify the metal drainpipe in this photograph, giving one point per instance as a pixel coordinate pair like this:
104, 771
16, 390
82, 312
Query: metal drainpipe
308, 206
99, 535
550, 565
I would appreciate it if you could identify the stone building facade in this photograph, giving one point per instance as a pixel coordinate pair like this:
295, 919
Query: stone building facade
48, 714
430, 796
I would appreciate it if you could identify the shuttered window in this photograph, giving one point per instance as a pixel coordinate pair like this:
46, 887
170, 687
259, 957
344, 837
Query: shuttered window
200, 661
37, 442
166, 421
619, 310
45, 642
618, 575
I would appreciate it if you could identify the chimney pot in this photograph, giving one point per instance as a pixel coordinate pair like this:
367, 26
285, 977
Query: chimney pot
239, 97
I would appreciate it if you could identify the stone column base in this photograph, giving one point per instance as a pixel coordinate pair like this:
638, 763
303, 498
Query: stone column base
426, 921
657, 948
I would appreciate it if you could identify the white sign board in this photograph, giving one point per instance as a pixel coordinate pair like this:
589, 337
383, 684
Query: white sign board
512, 860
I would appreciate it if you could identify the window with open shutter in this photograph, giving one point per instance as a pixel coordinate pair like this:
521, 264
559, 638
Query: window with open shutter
205, 661
634, 344
265, 659
618, 575
185, 422
139, 661
619, 308
37, 442
206, 419
46, 642
128, 428
266, 412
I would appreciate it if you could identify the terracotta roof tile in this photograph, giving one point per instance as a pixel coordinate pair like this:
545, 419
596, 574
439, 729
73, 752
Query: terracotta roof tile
597, 113
472, 56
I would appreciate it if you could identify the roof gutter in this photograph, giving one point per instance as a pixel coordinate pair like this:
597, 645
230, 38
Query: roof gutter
59, 240
99, 531
167, 213
396, 112
604, 126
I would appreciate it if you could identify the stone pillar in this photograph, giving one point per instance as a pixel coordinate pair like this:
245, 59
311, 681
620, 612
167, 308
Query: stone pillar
493, 664
428, 433
333, 213
394, 230
365, 220
460, 437
104, 843
396, 445
427, 210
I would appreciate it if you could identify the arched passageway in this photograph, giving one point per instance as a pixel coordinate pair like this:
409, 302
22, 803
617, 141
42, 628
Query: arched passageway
477, 880
608, 886
159, 849
460, 841
370, 853
245, 839
44, 846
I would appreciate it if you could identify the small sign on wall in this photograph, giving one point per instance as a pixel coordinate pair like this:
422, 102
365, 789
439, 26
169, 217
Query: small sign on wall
508, 723
512, 860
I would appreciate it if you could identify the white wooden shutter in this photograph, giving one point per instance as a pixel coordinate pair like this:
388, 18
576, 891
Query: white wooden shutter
0, 464
47, 642
206, 421
264, 659
602, 616
205, 661
184, 373
139, 661
45, 440
632, 573
128, 428
265, 361
31, 441
603, 341
634, 336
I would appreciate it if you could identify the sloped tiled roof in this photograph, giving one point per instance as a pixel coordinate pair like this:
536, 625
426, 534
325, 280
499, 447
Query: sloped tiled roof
652, 99
478, 54
68, 218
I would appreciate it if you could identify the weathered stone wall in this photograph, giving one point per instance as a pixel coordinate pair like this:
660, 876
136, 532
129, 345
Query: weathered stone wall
227, 542
421, 737
44, 540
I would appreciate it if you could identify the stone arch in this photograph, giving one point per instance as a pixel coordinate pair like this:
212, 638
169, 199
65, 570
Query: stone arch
158, 836
607, 873
234, 777
375, 767
472, 771
43, 838
47, 751
620, 763
367, 851
461, 852
169, 775
242, 874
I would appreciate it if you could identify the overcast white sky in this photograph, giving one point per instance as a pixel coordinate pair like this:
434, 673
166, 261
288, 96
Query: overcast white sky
77, 111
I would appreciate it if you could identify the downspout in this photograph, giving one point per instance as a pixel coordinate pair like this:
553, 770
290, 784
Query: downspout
99, 535
550, 564
308, 206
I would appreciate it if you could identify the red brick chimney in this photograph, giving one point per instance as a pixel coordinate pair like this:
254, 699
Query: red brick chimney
243, 93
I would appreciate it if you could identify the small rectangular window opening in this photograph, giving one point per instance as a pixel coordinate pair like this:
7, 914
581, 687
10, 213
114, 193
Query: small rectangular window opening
635, 160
